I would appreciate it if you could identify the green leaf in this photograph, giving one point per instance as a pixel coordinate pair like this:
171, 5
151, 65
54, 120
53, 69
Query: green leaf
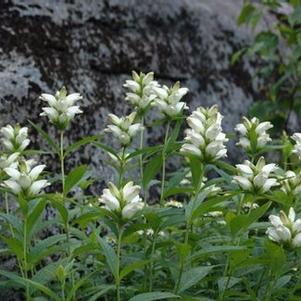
174, 182
249, 15
50, 141
196, 168
193, 276
226, 282
14, 245
110, 255
44, 247
106, 148
74, 177
13, 221
151, 169
24, 282
35, 214
73, 147
146, 150
132, 267
211, 250
77, 285
47, 273
101, 290
242, 222
153, 296
237, 55
57, 203
200, 207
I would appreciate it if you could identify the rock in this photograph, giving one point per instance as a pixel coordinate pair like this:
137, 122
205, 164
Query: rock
92, 46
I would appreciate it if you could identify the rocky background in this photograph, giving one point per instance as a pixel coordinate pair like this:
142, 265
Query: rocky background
91, 47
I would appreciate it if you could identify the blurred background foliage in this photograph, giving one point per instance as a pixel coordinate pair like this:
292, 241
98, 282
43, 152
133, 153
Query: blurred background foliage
277, 53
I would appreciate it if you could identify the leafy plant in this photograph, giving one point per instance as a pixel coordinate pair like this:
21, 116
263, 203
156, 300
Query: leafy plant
277, 49
215, 232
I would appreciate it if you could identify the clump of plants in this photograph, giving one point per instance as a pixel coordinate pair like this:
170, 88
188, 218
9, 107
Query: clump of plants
217, 231
277, 50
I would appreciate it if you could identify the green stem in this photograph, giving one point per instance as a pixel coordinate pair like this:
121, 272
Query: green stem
122, 166
236, 243
62, 161
67, 230
182, 261
63, 291
25, 265
151, 267
118, 263
141, 155
164, 163
189, 226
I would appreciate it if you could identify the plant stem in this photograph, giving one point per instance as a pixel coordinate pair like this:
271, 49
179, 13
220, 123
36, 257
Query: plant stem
151, 267
189, 225
118, 263
141, 155
122, 165
63, 290
62, 161
25, 257
182, 261
164, 163
67, 230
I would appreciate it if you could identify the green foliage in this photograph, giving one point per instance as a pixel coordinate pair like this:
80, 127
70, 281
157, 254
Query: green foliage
277, 49
196, 229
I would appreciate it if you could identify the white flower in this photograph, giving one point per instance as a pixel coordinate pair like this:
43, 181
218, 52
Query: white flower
62, 108
125, 201
255, 178
214, 214
141, 90
173, 203
250, 206
168, 100
285, 229
297, 147
148, 232
253, 134
205, 139
14, 139
123, 128
9, 160
24, 178
291, 183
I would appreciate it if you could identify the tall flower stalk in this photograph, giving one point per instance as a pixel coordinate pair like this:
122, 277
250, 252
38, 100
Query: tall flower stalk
61, 111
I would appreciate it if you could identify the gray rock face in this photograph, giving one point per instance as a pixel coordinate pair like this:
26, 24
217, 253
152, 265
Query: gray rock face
91, 47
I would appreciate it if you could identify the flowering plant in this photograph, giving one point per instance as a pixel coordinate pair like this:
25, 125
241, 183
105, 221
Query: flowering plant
202, 228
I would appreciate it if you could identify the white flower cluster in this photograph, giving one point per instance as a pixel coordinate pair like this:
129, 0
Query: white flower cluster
141, 90
125, 201
169, 101
297, 147
24, 178
62, 108
255, 178
285, 229
291, 183
205, 139
123, 128
14, 139
8, 160
253, 134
